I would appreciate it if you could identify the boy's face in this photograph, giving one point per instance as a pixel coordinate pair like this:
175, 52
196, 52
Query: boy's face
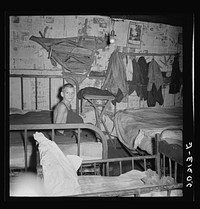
68, 94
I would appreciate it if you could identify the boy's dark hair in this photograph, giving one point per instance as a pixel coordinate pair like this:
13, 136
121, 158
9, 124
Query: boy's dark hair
67, 85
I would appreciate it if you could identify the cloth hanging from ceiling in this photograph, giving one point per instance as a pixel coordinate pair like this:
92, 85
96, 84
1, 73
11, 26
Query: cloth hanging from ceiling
74, 54
116, 81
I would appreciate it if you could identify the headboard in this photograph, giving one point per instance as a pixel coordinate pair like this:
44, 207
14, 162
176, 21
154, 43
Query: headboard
36, 78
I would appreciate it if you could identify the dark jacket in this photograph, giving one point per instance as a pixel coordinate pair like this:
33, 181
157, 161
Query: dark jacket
175, 77
154, 87
116, 75
144, 81
135, 83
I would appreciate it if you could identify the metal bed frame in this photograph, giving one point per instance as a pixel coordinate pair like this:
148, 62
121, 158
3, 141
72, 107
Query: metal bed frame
98, 165
53, 127
102, 167
30, 127
49, 77
159, 158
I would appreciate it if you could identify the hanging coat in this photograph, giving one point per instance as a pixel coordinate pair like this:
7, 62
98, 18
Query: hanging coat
175, 77
144, 73
154, 87
116, 81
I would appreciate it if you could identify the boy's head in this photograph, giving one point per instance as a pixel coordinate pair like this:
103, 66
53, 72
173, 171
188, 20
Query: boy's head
68, 92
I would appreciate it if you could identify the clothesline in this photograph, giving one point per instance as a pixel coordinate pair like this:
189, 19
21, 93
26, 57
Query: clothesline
149, 54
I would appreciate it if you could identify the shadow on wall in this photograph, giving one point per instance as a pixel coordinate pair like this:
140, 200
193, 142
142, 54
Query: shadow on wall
58, 96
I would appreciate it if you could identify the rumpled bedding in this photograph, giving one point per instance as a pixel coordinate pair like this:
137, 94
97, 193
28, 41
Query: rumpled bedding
95, 184
59, 171
60, 177
60, 174
137, 127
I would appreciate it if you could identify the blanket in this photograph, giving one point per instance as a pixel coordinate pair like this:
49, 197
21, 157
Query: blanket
136, 126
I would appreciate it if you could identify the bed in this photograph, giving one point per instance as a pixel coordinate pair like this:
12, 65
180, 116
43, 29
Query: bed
136, 128
23, 123
163, 178
23, 155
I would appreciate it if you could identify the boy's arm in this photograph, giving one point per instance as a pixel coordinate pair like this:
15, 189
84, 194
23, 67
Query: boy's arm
60, 114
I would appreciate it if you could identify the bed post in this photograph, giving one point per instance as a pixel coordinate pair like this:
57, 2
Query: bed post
158, 167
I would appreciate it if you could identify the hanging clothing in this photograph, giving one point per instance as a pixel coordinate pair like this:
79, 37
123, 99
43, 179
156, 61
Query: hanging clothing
154, 75
175, 77
154, 96
129, 68
116, 75
154, 86
144, 72
137, 79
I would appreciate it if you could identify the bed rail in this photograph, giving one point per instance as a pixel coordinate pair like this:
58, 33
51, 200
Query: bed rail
37, 127
168, 165
133, 192
106, 163
160, 166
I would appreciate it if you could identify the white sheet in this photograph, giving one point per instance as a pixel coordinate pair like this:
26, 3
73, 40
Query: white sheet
59, 171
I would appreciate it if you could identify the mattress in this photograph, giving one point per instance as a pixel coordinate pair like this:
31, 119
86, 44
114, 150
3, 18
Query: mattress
137, 128
30, 117
90, 149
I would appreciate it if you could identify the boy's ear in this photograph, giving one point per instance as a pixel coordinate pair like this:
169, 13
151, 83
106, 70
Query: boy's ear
61, 93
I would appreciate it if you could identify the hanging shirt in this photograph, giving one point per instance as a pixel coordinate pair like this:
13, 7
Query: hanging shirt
154, 75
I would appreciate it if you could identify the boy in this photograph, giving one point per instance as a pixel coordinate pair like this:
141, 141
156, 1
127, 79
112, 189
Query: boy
63, 112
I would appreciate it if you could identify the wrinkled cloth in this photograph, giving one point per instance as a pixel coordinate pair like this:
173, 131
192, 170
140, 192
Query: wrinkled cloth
116, 75
79, 59
59, 171
95, 183
152, 120
134, 85
73, 117
154, 75
152, 178
154, 96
